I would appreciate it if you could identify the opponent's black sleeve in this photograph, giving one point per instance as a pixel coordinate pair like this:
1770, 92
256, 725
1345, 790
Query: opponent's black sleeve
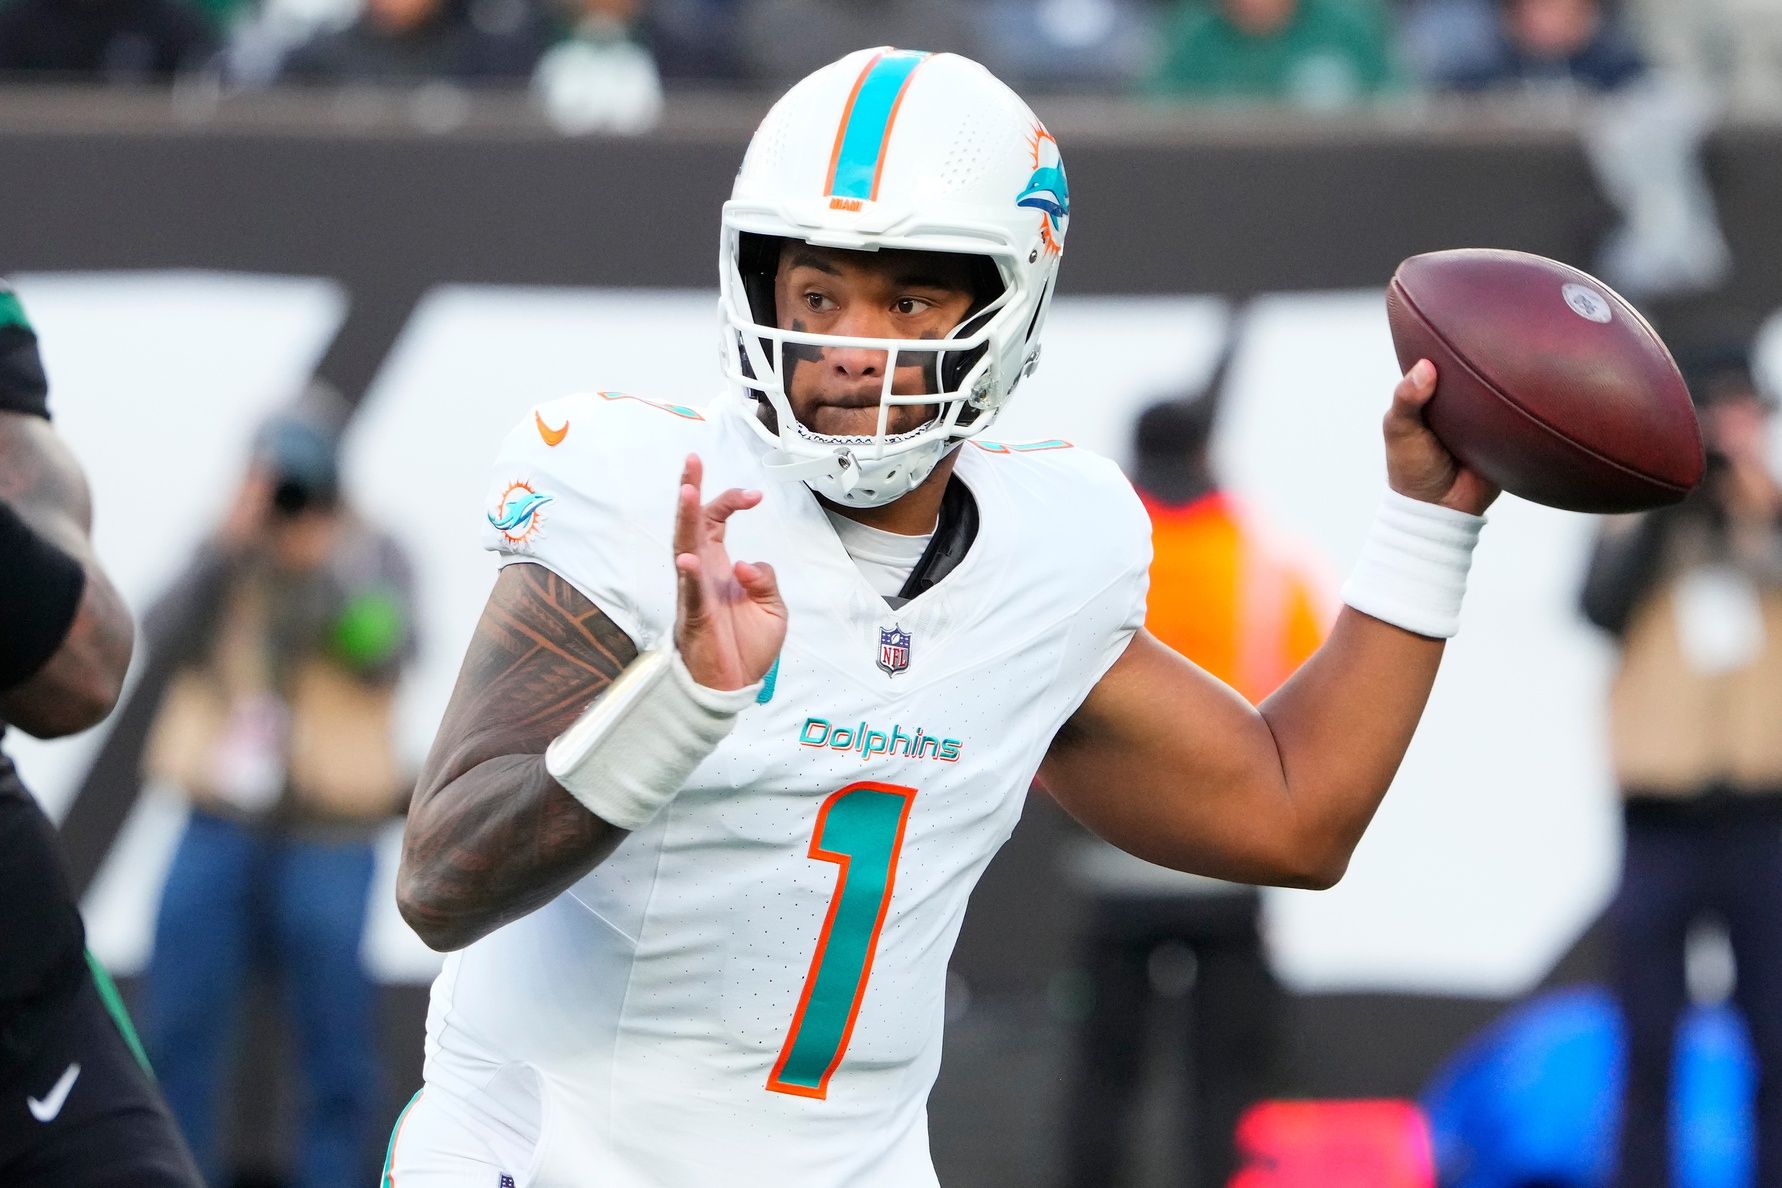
40, 591
23, 388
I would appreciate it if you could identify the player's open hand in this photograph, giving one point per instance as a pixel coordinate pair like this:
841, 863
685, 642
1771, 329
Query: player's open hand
1417, 463
730, 621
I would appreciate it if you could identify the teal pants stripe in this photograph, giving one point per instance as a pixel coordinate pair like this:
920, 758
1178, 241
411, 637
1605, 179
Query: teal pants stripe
390, 1153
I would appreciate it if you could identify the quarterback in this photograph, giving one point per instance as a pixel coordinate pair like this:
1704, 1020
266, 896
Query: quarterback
761, 686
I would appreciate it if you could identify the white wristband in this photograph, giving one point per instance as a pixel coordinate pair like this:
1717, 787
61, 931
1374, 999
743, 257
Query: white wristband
635, 746
1413, 566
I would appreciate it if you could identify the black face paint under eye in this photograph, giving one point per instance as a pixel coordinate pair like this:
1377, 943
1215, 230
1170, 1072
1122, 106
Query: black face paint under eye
794, 353
931, 362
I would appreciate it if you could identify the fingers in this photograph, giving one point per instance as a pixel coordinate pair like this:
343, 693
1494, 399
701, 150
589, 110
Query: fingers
759, 582
698, 538
686, 512
1415, 389
1405, 417
691, 519
690, 578
729, 503
687, 540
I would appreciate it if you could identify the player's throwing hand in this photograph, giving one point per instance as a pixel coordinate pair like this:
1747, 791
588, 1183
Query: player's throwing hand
730, 620
1418, 465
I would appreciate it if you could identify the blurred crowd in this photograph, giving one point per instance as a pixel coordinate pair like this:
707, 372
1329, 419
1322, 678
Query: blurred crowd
605, 63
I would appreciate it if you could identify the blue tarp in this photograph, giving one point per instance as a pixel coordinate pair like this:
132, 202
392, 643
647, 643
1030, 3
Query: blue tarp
1535, 1099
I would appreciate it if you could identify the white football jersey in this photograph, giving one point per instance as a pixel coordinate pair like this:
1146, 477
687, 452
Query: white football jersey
749, 990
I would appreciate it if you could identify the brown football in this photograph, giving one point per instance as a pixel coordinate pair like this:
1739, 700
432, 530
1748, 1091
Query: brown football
1547, 382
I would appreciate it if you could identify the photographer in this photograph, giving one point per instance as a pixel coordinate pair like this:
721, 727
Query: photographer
1693, 593
289, 630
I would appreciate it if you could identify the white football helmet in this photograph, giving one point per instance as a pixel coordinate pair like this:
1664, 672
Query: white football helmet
895, 149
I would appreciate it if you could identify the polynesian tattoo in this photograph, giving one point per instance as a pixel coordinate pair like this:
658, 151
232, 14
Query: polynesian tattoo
491, 836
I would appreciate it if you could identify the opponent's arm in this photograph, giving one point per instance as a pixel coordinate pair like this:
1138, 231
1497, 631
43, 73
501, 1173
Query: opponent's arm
1166, 762
491, 836
42, 486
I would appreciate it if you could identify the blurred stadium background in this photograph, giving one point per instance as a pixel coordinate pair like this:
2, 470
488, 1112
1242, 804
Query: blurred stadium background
194, 244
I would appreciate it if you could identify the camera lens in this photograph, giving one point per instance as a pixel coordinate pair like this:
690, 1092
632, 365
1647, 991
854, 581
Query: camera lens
291, 496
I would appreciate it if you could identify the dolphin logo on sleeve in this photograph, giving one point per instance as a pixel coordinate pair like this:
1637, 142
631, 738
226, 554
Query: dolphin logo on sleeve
516, 516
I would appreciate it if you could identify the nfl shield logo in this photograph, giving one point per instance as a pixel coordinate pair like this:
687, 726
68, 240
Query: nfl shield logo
894, 650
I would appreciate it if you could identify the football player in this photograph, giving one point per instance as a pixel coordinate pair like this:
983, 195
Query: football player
80, 1107
699, 831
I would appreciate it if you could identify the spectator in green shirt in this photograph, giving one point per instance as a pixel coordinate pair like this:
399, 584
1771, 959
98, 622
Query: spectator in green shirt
1311, 53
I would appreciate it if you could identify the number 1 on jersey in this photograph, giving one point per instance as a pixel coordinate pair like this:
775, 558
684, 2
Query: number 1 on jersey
860, 829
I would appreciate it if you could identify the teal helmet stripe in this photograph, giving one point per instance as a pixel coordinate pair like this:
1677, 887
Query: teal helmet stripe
866, 124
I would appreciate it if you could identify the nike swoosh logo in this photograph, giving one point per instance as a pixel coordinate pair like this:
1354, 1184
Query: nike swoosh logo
552, 437
51, 1105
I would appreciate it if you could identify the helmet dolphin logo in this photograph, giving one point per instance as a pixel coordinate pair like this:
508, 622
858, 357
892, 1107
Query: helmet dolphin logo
1049, 191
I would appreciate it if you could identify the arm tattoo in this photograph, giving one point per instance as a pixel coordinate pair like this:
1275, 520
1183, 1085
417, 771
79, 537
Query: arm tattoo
41, 479
491, 836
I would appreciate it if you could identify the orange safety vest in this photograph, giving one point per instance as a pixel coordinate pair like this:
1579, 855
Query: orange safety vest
1229, 597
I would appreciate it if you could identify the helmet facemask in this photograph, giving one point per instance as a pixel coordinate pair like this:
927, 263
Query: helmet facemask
963, 382
893, 150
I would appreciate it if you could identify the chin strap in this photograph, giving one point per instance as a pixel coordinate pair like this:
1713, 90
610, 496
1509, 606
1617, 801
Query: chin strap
789, 467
